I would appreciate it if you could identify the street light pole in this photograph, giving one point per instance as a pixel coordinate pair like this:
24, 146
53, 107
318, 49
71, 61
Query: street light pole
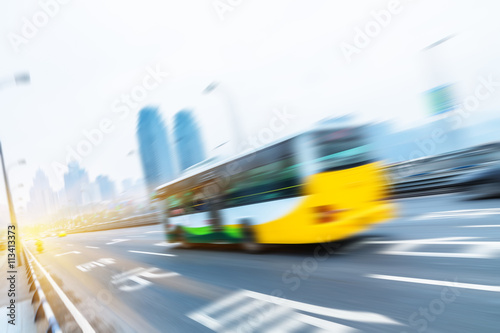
12, 212
19, 78
236, 129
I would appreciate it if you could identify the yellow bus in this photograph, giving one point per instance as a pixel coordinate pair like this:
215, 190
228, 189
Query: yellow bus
317, 186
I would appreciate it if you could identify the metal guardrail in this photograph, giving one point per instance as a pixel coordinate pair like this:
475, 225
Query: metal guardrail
463, 159
436, 174
39, 301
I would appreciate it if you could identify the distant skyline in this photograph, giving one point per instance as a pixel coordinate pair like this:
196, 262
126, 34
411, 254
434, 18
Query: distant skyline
43, 200
267, 55
156, 150
187, 139
107, 188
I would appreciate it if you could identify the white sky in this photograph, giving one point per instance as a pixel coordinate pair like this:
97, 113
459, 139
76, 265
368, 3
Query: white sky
266, 54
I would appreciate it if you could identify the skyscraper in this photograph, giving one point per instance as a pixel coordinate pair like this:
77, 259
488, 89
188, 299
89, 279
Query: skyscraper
188, 143
154, 147
76, 185
106, 188
42, 197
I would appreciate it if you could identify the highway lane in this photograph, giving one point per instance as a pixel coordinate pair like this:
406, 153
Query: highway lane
434, 269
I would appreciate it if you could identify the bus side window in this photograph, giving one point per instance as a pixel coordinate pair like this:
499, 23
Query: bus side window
275, 180
199, 204
187, 202
176, 205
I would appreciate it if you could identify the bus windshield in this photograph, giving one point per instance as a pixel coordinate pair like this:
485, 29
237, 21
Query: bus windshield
340, 149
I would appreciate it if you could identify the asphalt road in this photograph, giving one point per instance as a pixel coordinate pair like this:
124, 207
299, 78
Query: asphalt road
434, 269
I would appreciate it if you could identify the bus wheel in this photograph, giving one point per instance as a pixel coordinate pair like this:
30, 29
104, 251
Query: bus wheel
249, 243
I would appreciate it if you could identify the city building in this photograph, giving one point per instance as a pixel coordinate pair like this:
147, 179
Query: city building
42, 197
107, 189
188, 143
157, 158
76, 185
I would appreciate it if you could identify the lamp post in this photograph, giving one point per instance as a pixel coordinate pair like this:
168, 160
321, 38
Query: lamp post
19, 78
12, 212
442, 93
237, 130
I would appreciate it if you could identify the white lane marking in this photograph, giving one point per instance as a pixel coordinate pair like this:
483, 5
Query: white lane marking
100, 262
91, 247
481, 226
154, 232
63, 254
436, 282
459, 213
154, 253
422, 241
475, 249
165, 244
231, 314
328, 326
140, 283
149, 274
79, 318
114, 241
137, 236
440, 254
136, 275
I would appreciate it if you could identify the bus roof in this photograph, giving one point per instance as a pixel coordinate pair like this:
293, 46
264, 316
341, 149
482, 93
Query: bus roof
203, 166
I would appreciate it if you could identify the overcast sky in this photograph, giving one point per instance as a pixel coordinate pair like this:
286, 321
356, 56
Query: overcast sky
267, 55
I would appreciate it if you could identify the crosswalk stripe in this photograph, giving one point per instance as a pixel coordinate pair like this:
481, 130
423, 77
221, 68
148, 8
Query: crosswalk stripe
214, 307
286, 326
239, 311
269, 316
368, 317
328, 326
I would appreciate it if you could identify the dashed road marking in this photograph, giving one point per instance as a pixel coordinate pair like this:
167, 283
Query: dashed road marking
63, 254
138, 276
91, 247
114, 241
481, 226
98, 263
436, 282
474, 249
154, 253
459, 213
154, 232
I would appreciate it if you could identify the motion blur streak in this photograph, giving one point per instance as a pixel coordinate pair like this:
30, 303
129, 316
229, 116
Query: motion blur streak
250, 166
